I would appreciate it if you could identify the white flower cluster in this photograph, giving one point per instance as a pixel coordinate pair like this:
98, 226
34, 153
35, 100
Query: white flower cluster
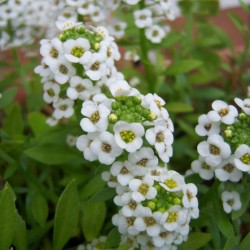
76, 66
17, 25
134, 134
148, 18
156, 204
126, 126
226, 151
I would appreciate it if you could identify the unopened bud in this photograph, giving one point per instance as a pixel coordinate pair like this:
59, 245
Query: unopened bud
228, 133
151, 205
152, 116
113, 118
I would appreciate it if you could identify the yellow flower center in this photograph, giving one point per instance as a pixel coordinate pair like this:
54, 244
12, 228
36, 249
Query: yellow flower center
77, 51
160, 137
127, 136
53, 52
245, 159
63, 69
171, 183
95, 117
223, 112
142, 162
214, 150
228, 168
149, 221
172, 217
143, 189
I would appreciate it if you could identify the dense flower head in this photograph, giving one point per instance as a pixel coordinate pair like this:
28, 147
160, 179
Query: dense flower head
155, 208
226, 151
76, 65
125, 124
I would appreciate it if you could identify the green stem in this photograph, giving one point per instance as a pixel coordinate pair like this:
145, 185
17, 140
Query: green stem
148, 67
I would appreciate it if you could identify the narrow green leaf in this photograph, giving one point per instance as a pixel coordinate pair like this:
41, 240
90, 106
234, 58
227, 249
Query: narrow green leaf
113, 239
182, 67
94, 186
38, 123
195, 241
179, 107
105, 194
13, 125
209, 93
244, 245
8, 217
39, 208
93, 217
7, 97
222, 220
52, 154
20, 238
238, 23
66, 216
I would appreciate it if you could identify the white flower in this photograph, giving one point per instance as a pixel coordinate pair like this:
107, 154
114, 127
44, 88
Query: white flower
189, 199
67, 25
132, 2
140, 162
155, 33
154, 102
121, 172
71, 140
143, 18
51, 49
131, 56
164, 238
96, 117
148, 221
242, 158
205, 171
110, 179
142, 189
118, 29
231, 201
243, 104
160, 137
79, 88
222, 112
214, 150
51, 92
63, 108
75, 49
129, 135
95, 67
83, 144
120, 87
174, 218
172, 181
129, 206
105, 148
62, 70
125, 224
206, 126
227, 171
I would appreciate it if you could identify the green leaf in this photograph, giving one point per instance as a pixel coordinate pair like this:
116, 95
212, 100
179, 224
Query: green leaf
179, 107
93, 218
195, 241
182, 67
13, 125
20, 238
66, 216
39, 208
38, 123
209, 93
52, 154
245, 198
222, 220
244, 245
94, 186
7, 97
113, 239
8, 217
238, 23
105, 194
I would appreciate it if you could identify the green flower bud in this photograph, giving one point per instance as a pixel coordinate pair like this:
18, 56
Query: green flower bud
242, 116
137, 100
151, 205
228, 133
162, 209
176, 201
115, 105
151, 116
113, 118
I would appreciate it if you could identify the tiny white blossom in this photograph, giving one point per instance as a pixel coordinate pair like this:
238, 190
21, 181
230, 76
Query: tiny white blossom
243, 104
231, 201
215, 149
200, 166
222, 112
129, 135
143, 18
206, 127
242, 158
63, 108
155, 33
96, 117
